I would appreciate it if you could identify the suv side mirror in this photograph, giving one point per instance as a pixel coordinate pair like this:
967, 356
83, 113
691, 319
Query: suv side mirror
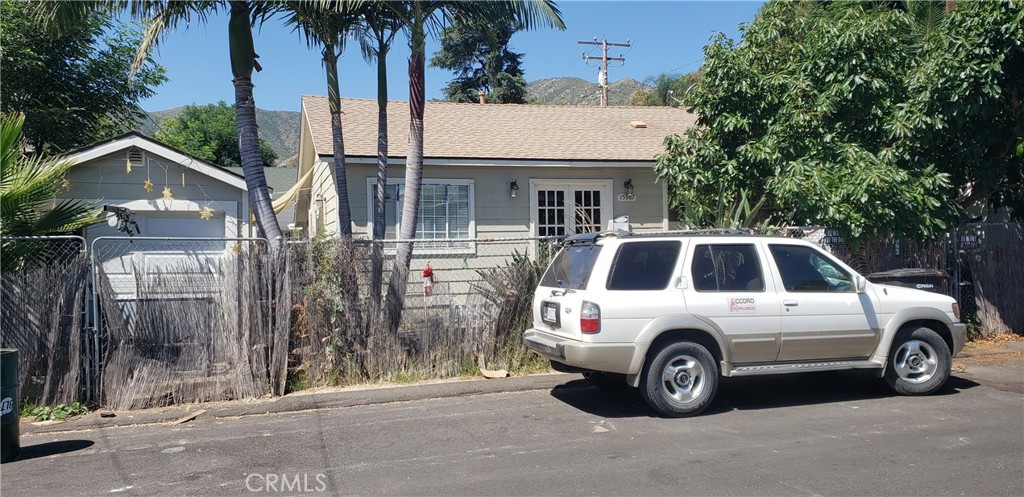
861, 283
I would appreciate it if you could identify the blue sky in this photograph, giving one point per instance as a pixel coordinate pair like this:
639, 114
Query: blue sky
666, 36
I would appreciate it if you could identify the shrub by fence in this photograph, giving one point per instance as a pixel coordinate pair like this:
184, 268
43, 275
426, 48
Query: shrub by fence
478, 304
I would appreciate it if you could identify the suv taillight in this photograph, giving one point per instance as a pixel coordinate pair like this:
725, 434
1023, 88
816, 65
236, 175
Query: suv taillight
590, 318
956, 310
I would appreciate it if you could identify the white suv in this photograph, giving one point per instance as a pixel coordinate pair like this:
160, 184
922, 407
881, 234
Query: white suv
672, 313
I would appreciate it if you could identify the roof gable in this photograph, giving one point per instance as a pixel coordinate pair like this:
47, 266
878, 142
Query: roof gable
503, 131
143, 142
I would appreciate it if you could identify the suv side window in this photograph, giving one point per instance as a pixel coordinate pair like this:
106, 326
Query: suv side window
644, 265
804, 269
727, 268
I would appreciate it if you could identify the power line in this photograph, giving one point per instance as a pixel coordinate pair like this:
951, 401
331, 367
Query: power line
602, 77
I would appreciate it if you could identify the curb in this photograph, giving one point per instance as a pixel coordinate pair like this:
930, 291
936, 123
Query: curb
175, 415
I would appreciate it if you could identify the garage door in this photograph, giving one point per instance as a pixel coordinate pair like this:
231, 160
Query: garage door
185, 268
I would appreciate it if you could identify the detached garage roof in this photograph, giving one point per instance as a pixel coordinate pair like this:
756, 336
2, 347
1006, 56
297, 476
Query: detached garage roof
134, 139
503, 131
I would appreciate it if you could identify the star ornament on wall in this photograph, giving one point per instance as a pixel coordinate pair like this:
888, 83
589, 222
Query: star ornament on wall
167, 193
206, 213
148, 185
65, 184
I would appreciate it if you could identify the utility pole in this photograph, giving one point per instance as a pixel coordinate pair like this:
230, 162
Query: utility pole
602, 77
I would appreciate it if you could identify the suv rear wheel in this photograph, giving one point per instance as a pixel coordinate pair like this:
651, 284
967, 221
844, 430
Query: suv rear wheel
919, 362
680, 380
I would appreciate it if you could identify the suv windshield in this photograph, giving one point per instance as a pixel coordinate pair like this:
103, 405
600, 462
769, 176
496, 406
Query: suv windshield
571, 267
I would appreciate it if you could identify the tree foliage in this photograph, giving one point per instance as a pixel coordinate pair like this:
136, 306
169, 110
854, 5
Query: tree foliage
73, 88
479, 54
834, 115
209, 132
29, 187
670, 90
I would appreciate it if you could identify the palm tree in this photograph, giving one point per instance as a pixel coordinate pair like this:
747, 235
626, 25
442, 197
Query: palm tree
381, 24
28, 190
421, 17
328, 28
166, 15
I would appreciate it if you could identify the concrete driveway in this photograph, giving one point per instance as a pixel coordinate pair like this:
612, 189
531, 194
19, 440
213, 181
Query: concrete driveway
823, 434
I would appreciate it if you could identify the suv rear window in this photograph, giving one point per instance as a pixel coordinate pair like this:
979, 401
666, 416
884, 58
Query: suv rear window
643, 265
571, 267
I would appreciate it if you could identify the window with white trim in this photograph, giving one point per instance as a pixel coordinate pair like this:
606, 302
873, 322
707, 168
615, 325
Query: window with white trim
446, 209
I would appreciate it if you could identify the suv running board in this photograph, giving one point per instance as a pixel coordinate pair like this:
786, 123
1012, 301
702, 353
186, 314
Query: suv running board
802, 367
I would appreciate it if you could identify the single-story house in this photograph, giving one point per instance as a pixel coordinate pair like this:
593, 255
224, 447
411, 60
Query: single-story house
576, 168
170, 194
510, 173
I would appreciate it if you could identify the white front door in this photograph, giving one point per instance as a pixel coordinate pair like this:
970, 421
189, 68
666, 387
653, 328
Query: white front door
561, 208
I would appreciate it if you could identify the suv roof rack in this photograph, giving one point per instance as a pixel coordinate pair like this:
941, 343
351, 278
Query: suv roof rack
589, 238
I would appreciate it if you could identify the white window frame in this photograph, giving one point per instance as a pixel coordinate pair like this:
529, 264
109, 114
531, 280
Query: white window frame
546, 184
469, 247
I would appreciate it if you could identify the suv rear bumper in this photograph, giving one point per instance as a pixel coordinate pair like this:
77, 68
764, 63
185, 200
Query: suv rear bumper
607, 357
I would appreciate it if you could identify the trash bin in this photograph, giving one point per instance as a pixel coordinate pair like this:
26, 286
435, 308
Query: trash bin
930, 280
10, 445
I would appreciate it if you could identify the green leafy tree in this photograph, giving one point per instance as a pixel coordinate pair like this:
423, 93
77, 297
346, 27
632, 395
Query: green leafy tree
73, 88
209, 132
667, 90
29, 187
478, 53
966, 108
419, 18
802, 113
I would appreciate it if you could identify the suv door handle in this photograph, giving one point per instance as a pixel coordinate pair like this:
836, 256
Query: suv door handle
790, 303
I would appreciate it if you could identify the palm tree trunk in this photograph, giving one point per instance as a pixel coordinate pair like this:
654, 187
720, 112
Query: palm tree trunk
243, 61
252, 163
413, 171
340, 174
380, 191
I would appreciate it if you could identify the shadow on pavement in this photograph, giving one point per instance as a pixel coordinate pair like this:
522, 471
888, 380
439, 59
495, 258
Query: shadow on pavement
750, 393
52, 448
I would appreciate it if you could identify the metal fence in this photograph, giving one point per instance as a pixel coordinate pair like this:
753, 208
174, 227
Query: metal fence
184, 320
461, 313
129, 322
43, 311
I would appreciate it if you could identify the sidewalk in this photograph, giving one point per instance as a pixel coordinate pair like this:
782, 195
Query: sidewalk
300, 401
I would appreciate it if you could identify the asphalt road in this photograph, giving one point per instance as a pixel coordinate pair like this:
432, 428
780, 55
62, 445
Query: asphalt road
825, 434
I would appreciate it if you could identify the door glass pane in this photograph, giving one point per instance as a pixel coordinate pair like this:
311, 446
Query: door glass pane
804, 269
727, 268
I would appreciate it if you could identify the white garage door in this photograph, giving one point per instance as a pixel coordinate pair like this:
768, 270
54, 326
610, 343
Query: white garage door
185, 268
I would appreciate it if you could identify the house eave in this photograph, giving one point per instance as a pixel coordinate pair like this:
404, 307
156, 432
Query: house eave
491, 162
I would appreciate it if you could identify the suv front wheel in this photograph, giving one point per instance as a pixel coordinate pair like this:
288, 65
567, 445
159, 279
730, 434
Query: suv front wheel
680, 380
919, 362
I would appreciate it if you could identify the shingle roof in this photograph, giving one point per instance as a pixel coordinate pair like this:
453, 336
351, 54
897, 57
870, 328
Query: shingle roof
527, 132
279, 179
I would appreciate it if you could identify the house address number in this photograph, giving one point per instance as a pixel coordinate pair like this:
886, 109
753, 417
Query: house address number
627, 197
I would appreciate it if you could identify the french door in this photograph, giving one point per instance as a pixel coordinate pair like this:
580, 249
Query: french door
561, 208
